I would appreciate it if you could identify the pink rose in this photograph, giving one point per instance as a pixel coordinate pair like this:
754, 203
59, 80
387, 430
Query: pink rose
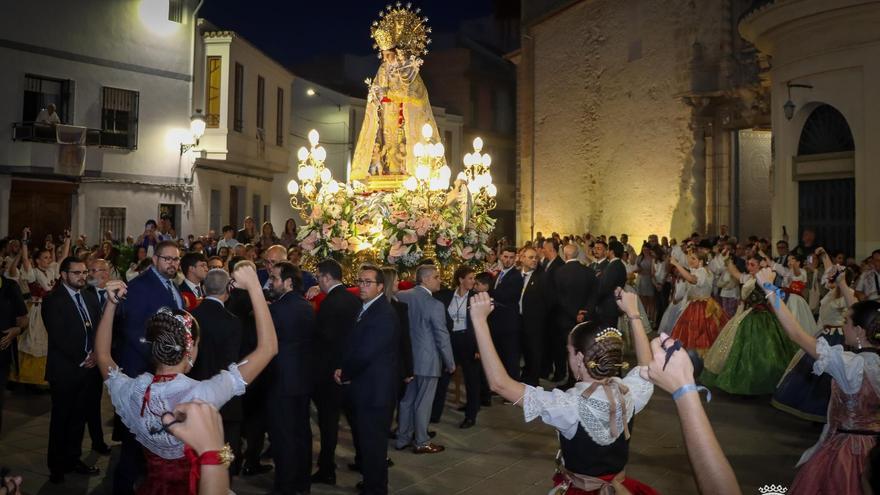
338, 244
397, 250
401, 225
309, 242
467, 253
325, 230
423, 225
410, 238
444, 241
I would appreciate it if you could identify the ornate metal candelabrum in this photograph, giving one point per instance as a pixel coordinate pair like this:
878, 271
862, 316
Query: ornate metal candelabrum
478, 177
313, 177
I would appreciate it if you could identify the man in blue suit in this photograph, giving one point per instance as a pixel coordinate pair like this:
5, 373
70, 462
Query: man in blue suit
147, 293
370, 369
290, 381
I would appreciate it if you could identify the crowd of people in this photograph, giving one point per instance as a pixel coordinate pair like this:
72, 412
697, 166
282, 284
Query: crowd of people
178, 329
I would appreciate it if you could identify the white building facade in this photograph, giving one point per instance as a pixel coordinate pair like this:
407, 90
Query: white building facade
126, 77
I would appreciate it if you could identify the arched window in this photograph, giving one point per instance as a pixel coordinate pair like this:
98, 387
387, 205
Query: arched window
825, 131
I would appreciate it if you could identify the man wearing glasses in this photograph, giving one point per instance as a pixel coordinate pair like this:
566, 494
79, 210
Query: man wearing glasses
70, 315
147, 293
370, 370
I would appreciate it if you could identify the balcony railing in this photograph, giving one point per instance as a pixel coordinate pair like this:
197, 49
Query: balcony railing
45, 133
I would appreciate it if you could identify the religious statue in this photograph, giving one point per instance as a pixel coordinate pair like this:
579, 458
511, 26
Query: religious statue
397, 101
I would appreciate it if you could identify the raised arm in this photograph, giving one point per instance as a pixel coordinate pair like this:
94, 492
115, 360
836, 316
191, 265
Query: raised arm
267, 341
499, 381
797, 334
712, 470
734, 272
628, 302
65, 248
104, 335
684, 272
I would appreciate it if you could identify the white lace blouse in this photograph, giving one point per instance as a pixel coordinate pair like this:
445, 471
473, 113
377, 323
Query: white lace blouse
567, 410
127, 395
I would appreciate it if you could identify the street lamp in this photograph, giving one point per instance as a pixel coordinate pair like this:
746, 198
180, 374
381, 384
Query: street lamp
788, 107
196, 128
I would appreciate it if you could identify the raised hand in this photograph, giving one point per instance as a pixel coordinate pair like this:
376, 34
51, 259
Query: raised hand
627, 302
678, 372
198, 425
765, 276
481, 306
245, 277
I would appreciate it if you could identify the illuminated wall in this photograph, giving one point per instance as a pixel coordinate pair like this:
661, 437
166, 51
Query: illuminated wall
614, 142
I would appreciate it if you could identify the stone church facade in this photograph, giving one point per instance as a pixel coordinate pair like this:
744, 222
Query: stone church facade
642, 116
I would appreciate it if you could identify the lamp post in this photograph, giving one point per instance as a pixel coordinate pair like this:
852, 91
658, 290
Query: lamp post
313, 176
197, 128
478, 177
788, 107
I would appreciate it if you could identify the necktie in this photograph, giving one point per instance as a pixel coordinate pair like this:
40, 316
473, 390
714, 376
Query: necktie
174, 294
102, 298
87, 322
500, 276
199, 291
364, 309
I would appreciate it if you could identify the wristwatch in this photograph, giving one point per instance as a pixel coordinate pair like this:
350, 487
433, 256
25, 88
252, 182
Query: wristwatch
223, 456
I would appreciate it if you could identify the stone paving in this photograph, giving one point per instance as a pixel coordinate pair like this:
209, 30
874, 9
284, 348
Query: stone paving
502, 454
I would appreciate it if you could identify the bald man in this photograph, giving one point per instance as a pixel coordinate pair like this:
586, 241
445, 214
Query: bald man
276, 254
574, 283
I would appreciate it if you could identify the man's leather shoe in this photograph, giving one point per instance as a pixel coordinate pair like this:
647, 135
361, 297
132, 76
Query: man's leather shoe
255, 470
56, 478
324, 478
102, 449
467, 423
429, 448
82, 468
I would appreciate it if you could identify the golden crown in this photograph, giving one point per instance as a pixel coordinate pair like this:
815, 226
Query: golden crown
401, 27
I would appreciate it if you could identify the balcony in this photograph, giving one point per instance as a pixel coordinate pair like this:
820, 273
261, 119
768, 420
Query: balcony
42, 133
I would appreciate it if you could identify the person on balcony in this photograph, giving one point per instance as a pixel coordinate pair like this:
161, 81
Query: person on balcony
48, 116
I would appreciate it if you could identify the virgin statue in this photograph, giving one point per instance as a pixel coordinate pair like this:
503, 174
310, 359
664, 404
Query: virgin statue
397, 100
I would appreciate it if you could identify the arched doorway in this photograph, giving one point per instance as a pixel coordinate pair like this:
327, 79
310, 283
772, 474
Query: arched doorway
825, 169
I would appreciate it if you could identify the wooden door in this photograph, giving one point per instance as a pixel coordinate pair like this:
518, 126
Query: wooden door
829, 207
43, 206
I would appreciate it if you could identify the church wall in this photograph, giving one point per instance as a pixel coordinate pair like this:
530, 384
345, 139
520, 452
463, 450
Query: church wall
614, 146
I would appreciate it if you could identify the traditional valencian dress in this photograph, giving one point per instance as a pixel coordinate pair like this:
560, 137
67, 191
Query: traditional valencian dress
33, 344
835, 464
674, 310
703, 318
752, 351
593, 421
140, 403
800, 392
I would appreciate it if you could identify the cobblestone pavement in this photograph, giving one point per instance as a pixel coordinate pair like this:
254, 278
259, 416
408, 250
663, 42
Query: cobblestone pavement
502, 454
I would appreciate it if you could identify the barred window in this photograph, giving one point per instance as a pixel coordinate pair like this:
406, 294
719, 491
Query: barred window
261, 102
175, 10
119, 118
40, 92
112, 219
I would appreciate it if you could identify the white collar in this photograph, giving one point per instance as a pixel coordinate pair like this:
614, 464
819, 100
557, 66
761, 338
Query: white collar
218, 301
192, 285
573, 259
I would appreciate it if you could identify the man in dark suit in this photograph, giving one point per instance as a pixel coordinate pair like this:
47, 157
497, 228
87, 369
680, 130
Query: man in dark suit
370, 368
70, 315
600, 252
336, 318
220, 346
504, 322
574, 285
290, 382
150, 291
194, 267
532, 306
613, 276
549, 264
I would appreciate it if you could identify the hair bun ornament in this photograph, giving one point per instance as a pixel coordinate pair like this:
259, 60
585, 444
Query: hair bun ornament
609, 333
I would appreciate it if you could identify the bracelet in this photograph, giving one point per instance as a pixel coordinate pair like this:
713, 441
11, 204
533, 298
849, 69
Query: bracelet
690, 387
633, 318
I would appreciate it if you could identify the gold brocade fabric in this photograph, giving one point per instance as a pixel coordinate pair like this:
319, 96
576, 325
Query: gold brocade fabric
713, 309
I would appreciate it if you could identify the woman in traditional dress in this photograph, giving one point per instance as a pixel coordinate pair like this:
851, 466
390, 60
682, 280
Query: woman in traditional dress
142, 402
33, 344
835, 464
794, 283
677, 304
595, 416
800, 392
703, 318
752, 351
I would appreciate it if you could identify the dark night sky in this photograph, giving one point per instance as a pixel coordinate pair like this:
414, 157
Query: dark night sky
296, 31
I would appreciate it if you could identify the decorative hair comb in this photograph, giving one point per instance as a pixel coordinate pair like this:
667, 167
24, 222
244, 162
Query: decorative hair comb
593, 365
609, 333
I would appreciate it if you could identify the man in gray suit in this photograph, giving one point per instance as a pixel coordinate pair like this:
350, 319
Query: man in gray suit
432, 354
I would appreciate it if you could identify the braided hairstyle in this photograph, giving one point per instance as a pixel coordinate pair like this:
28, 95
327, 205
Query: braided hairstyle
170, 340
602, 349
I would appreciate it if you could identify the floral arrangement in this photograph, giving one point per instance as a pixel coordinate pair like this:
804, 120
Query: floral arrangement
396, 227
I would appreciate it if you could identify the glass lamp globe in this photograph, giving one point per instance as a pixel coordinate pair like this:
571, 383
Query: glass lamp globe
320, 154
423, 172
302, 154
439, 150
292, 187
410, 184
313, 137
468, 160
492, 191
487, 160
332, 187
427, 131
478, 144
419, 150
445, 172
326, 175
